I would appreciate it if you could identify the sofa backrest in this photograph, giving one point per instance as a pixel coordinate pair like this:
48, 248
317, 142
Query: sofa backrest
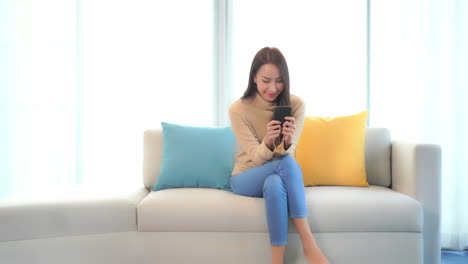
378, 151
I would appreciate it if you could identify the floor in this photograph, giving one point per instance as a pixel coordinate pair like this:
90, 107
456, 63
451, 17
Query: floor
454, 257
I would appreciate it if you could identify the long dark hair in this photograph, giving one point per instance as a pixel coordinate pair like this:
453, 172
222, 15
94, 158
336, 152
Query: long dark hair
274, 56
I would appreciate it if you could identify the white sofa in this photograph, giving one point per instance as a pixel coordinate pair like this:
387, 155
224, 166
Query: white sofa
396, 220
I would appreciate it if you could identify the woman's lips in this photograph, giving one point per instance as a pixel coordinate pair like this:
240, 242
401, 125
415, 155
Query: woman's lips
271, 95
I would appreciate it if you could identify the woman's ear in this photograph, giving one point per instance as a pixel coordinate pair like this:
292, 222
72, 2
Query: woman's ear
255, 79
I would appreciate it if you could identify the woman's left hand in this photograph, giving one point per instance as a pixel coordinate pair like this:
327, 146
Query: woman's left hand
289, 126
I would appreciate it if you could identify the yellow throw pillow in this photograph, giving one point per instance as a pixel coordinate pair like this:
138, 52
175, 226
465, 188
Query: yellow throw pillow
331, 150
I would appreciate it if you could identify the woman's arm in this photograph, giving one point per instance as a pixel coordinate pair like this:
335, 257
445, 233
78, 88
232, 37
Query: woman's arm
258, 152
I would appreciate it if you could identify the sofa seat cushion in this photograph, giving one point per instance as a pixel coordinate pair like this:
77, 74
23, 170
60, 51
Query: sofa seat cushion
74, 211
362, 209
331, 209
200, 209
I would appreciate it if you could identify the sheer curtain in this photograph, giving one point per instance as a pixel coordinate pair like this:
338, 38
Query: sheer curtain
419, 82
146, 62
38, 105
324, 42
81, 80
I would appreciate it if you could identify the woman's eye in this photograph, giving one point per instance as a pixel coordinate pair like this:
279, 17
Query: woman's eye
265, 81
280, 81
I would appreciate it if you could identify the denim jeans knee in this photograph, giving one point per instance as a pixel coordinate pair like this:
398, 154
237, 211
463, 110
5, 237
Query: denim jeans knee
274, 184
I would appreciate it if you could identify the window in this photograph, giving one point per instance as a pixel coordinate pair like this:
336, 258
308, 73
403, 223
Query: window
324, 42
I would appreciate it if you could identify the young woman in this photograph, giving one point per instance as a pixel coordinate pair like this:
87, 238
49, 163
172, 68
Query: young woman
265, 166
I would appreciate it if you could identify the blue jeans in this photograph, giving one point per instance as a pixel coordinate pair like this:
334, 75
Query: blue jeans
280, 182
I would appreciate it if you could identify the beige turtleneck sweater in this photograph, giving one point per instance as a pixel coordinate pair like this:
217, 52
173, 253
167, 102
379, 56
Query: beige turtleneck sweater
249, 119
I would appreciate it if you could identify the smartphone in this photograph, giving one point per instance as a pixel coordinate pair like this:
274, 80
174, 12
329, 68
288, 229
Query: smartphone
281, 112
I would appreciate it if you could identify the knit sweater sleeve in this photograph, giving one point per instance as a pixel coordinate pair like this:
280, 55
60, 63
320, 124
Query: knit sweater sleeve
257, 151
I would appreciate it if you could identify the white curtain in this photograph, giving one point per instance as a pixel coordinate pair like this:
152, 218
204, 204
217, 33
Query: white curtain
419, 89
80, 81
142, 62
38, 105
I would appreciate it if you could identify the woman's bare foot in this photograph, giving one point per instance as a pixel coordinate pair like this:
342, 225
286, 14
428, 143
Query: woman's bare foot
315, 256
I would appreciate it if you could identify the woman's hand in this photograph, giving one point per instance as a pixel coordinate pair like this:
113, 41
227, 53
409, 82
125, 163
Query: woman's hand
272, 134
289, 127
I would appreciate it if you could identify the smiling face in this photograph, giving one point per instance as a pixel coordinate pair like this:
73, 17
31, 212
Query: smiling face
269, 82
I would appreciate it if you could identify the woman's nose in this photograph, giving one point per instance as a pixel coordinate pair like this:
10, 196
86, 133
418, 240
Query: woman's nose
273, 87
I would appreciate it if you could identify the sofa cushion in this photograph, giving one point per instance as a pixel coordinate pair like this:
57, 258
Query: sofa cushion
378, 151
196, 157
362, 209
74, 211
197, 209
331, 150
331, 209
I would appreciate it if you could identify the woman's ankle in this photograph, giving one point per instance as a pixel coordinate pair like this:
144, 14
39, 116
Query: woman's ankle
315, 256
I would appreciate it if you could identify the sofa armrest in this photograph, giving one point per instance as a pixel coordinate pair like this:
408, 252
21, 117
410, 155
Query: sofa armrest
416, 172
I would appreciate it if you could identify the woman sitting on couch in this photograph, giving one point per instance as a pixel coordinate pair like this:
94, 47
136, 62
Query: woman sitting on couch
265, 167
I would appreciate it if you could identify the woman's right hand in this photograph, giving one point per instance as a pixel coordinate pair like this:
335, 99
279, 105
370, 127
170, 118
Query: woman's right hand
272, 134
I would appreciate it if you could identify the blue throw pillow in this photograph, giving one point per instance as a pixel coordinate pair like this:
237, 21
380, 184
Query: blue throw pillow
196, 157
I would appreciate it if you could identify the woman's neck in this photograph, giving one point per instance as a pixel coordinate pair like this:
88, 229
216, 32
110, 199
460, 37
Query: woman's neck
262, 103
